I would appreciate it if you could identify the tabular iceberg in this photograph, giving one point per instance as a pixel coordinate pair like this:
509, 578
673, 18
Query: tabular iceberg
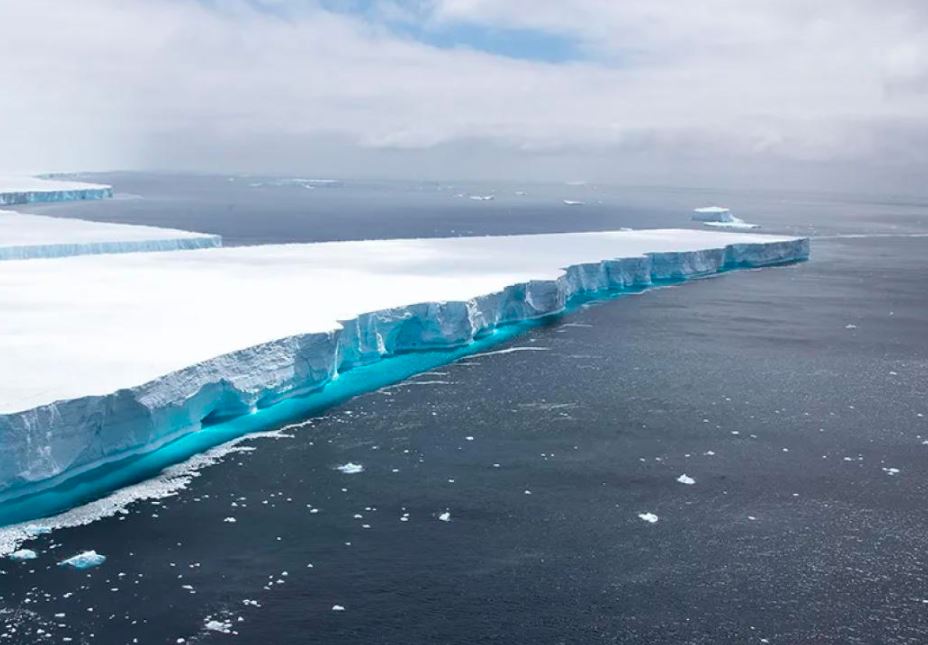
27, 190
24, 237
720, 217
107, 356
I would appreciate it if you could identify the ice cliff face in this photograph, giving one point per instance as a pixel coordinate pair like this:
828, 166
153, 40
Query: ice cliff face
64, 195
25, 237
29, 252
47, 444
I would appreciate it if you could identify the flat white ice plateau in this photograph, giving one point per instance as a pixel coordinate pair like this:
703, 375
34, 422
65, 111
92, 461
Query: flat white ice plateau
23, 190
35, 236
103, 355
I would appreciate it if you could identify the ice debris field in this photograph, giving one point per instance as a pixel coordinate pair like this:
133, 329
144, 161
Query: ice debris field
111, 355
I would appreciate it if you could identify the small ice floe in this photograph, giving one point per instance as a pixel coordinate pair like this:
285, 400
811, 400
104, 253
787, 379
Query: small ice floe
481, 198
445, 517
650, 518
686, 479
337, 608
221, 626
850, 326
891, 471
23, 554
230, 520
85, 560
573, 202
350, 468
468, 438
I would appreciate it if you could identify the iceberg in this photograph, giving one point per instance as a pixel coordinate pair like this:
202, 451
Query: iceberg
720, 217
109, 356
28, 190
24, 237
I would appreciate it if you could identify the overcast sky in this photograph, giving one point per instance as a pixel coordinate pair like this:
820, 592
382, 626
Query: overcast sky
830, 93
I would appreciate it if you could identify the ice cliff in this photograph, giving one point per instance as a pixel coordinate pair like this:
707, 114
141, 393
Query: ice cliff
48, 441
27, 190
24, 237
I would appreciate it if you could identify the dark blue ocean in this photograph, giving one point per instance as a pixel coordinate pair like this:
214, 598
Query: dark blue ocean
795, 397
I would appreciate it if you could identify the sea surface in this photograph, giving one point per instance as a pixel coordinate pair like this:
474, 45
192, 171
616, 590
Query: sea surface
500, 495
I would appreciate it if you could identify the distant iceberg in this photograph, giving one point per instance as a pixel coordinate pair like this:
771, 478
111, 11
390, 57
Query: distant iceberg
25, 237
720, 217
28, 190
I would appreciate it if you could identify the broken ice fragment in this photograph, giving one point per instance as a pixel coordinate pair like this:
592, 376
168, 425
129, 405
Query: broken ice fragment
23, 554
84, 560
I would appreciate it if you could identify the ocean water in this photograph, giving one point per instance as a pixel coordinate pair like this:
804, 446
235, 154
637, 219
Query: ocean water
795, 397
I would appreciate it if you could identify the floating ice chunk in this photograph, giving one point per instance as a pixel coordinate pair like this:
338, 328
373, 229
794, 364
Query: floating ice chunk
686, 479
850, 326
23, 554
650, 518
445, 517
350, 468
85, 560
573, 202
891, 471
230, 520
481, 198
337, 608
221, 626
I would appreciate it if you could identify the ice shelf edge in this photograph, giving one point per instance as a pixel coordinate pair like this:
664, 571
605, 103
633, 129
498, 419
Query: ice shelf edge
9, 198
51, 443
65, 249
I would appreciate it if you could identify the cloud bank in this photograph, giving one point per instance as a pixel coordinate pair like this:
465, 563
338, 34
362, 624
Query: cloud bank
658, 92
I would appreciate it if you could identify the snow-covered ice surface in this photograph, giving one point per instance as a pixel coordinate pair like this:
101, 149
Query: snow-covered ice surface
24, 237
108, 355
27, 190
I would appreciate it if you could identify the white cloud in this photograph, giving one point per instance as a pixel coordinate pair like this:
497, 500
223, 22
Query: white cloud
141, 83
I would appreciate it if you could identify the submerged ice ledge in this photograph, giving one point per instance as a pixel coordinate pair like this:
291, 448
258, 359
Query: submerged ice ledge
52, 441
